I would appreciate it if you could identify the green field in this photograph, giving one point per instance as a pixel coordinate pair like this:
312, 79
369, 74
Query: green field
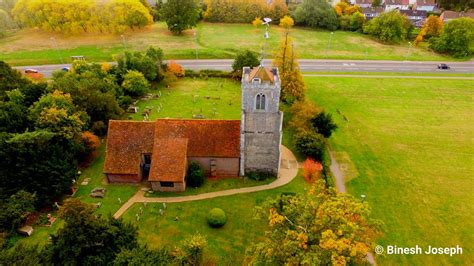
35, 47
407, 145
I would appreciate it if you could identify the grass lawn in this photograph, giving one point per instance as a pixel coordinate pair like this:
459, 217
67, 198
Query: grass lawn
214, 98
214, 41
407, 145
226, 245
110, 203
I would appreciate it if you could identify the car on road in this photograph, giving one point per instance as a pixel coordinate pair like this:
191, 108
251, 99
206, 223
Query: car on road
443, 66
65, 69
31, 70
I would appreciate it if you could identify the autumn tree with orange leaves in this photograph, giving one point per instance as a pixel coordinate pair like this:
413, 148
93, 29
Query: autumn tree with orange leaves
431, 28
311, 170
320, 228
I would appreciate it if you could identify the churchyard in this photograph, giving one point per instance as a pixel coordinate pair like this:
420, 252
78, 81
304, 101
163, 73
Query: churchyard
214, 41
403, 143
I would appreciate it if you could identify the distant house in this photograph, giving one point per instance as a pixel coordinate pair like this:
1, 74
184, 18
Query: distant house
450, 15
372, 12
416, 17
426, 5
396, 4
363, 3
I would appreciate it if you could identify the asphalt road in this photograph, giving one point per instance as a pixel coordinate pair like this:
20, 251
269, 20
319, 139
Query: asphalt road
317, 65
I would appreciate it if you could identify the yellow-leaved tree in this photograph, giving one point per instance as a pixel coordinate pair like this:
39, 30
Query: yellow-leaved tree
431, 28
292, 83
322, 227
257, 22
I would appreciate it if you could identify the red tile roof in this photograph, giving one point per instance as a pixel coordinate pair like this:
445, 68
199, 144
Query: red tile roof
425, 2
126, 141
169, 160
206, 138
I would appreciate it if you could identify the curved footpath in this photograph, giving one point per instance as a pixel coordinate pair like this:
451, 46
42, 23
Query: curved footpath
288, 171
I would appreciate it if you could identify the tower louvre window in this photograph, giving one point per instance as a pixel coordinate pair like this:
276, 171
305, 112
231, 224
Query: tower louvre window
260, 102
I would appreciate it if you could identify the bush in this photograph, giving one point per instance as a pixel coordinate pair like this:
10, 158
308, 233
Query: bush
216, 218
311, 170
324, 124
175, 68
135, 84
311, 144
389, 27
244, 58
195, 176
457, 38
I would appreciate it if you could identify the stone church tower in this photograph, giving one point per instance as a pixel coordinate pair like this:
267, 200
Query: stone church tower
261, 122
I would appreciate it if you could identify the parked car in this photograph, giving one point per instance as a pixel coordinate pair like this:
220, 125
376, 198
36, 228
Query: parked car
31, 70
443, 66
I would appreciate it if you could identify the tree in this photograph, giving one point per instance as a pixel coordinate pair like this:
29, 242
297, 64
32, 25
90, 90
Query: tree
376, 3
389, 27
87, 239
135, 84
180, 15
78, 16
39, 162
13, 113
357, 21
322, 227
316, 13
148, 63
244, 58
311, 144
257, 22
311, 170
22, 254
301, 114
194, 176
287, 22
57, 113
143, 256
10, 79
16, 209
324, 124
458, 5
457, 38
93, 91
244, 11
292, 83
431, 28
175, 68
5, 22
193, 248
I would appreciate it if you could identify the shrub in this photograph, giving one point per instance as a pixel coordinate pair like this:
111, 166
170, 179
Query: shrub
311, 170
301, 114
195, 176
135, 84
244, 58
216, 218
389, 27
90, 140
311, 144
175, 69
324, 124
457, 38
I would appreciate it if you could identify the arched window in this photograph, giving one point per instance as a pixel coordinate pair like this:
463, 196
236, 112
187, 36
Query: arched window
260, 102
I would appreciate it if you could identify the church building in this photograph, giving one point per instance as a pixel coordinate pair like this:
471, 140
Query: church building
160, 151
